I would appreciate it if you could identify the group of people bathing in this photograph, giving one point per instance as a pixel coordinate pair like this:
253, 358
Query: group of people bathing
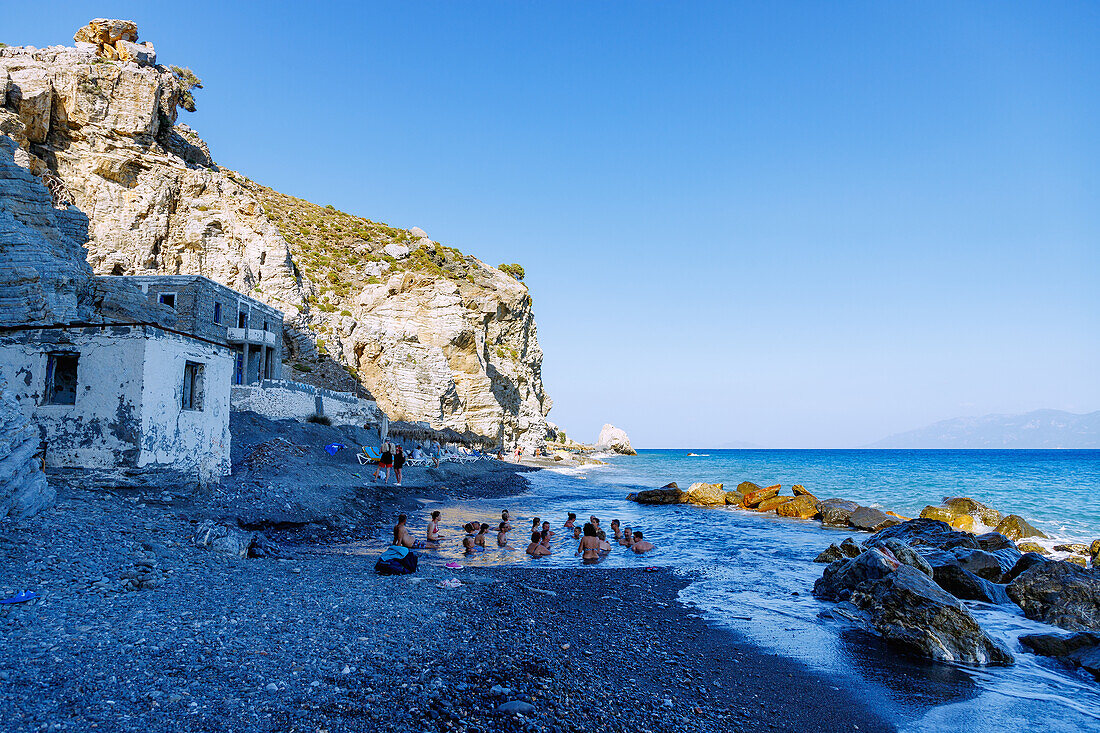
593, 544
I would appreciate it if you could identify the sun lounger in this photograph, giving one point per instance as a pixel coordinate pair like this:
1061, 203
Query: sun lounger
368, 455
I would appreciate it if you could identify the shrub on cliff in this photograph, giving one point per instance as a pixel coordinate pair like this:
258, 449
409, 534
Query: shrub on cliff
513, 269
188, 81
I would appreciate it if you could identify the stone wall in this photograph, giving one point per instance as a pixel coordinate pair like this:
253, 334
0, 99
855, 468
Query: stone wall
283, 400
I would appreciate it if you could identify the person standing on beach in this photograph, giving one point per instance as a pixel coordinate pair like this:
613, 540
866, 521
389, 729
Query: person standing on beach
386, 461
398, 464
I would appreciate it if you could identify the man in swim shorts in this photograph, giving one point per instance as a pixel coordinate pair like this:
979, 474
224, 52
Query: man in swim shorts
401, 534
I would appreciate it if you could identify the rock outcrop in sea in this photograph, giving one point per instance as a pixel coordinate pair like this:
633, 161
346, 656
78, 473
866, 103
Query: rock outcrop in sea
614, 439
431, 333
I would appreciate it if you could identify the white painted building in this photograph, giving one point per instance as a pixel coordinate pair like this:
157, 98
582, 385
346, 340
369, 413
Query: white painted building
123, 395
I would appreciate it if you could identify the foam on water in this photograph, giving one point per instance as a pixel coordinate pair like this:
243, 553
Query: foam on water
753, 573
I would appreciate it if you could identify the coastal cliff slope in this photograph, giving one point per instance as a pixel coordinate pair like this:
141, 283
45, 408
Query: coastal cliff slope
431, 333
1040, 429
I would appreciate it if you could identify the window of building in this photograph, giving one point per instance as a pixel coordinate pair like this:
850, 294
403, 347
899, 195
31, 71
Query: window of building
61, 378
192, 385
217, 313
242, 319
168, 299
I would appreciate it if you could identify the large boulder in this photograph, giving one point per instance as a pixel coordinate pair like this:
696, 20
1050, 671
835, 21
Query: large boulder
927, 532
800, 490
803, 506
842, 577
1059, 593
615, 439
222, 538
658, 496
870, 519
906, 555
981, 563
965, 505
706, 495
964, 584
772, 504
1016, 527
849, 548
1077, 650
747, 487
32, 93
1000, 547
835, 512
755, 497
1027, 561
909, 609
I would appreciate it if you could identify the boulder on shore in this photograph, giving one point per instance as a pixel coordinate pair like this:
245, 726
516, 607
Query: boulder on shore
803, 506
908, 609
927, 532
835, 512
705, 495
658, 496
965, 505
223, 538
1077, 650
1059, 593
1016, 527
746, 487
964, 584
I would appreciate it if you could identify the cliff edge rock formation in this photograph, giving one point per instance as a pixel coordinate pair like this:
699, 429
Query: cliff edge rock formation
431, 333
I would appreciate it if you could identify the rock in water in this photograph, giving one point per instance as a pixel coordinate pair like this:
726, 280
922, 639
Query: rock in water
801, 507
1076, 650
1059, 593
1016, 527
927, 532
842, 577
835, 512
965, 505
754, 498
870, 519
772, 504
907, 608
615, 439
659, 496
1027, 561
706, 495
747, 487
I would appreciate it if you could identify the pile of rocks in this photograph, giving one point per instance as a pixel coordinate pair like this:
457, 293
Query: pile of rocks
116, 40
906, 582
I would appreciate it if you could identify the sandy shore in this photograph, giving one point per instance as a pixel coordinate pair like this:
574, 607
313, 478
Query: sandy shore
304, 641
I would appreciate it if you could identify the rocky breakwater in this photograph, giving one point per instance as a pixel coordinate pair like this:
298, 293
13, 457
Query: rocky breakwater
432, 334
960, 566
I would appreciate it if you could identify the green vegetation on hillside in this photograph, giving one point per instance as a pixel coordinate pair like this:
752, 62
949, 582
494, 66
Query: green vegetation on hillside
337, 252
513, 269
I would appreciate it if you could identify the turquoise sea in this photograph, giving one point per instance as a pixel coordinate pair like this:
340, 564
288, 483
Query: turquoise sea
753, 573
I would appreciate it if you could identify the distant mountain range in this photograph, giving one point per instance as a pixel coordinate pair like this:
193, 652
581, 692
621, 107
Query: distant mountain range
1038, 429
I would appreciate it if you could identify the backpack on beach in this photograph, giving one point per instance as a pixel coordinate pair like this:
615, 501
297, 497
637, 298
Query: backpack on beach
396, 561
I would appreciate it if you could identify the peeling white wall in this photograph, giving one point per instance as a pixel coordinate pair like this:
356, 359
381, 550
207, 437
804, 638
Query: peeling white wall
195, 440
101, 429
129, 398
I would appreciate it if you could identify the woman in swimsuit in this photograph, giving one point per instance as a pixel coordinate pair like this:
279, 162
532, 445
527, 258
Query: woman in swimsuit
589, 548
480, 539
505, 519
502, 534
605, 546
433, 526
571, 521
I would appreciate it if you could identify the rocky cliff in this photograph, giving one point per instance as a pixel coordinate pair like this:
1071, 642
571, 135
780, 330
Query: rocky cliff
433, 334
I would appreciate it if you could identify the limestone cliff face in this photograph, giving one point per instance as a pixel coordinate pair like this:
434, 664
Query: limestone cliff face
432, 334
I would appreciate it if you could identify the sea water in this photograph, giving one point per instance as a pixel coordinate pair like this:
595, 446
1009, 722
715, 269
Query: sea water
753, 573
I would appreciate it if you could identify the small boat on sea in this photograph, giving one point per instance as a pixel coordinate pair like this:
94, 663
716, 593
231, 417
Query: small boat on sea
698, 455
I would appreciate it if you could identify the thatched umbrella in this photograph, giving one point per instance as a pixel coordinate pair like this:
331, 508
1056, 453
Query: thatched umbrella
409, 430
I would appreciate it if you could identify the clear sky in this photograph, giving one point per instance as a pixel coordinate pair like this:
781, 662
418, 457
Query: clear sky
798, 224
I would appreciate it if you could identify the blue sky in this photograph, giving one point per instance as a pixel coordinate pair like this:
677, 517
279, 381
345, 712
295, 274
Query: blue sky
794, 224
